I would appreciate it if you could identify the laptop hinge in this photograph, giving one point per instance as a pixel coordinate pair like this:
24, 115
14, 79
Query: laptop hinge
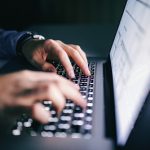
109, 101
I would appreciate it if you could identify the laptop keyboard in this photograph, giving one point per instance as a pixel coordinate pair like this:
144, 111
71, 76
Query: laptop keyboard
74, 121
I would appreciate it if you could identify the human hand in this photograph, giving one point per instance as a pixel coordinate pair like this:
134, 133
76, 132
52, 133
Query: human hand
28, 89
41, 52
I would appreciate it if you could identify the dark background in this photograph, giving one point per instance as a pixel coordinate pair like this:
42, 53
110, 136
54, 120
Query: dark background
19, 14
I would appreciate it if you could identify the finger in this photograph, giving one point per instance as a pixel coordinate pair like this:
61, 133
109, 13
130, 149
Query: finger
75, 55
62, 55
40, 114
48, 67
57, 98
64, 59
64, 81
83, 55
55, 94
73, 94
40, 78
44, 90
35, 93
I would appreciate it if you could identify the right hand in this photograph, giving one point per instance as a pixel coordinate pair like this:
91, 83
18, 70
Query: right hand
40, 53
29, 88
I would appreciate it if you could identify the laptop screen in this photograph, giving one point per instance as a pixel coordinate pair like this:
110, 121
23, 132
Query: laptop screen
130, 60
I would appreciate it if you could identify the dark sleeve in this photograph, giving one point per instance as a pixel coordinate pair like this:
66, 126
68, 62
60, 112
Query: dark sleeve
8, 42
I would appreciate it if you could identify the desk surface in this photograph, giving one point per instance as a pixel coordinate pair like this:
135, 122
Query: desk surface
95, 40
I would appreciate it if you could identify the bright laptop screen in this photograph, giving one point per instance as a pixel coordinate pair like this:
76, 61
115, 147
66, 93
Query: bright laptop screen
130, 60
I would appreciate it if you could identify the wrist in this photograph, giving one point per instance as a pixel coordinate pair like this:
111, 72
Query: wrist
27, 37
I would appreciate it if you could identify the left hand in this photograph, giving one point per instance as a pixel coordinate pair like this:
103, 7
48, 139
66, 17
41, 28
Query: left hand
41, 52
29, 88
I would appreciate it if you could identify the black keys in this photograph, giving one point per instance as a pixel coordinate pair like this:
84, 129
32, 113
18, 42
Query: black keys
83, 84
83, 93
90, 90
91, 81
78, 109
84, 76
17, 129
83, 89
90, 95
91, 85
83, 80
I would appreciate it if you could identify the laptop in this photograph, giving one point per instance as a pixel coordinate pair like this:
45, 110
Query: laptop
117, 95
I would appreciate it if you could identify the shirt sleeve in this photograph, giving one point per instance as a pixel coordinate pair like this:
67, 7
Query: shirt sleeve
8, 42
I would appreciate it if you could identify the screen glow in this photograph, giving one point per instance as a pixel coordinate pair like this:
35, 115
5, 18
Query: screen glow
130, 60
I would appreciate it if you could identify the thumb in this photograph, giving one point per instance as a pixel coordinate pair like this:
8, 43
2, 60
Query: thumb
48, 67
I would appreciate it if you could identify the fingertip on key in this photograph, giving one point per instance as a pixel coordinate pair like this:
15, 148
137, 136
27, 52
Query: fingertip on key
71, 74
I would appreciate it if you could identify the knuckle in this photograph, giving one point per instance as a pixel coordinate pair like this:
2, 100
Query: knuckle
55, 77
49, 42
77, 47
74, 52
25, 73
62, 54
58, 41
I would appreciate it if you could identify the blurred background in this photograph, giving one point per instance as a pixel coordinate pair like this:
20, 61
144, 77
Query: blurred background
19, 14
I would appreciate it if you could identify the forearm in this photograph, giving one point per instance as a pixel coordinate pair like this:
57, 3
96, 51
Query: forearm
8, 42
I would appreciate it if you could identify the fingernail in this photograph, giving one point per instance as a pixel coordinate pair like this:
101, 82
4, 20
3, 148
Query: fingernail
71, 74
89, 73
87, 70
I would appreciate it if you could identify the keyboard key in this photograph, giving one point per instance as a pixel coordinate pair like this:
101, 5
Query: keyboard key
53, 113
90, 98
84, 77
77, 122
69, 105
65, 118
90, 104
90, 95
91, 85
28, 123
16, 131
92, 77
83, 80
78, 109
61, 134
47, 134
53, 119
75, 129
91, 81
49, 127
89, 111
88, 127
90, 90
83, 84
67, 111
88, 118
83, 89
83, 93
76, 135
79, 115
64, 126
